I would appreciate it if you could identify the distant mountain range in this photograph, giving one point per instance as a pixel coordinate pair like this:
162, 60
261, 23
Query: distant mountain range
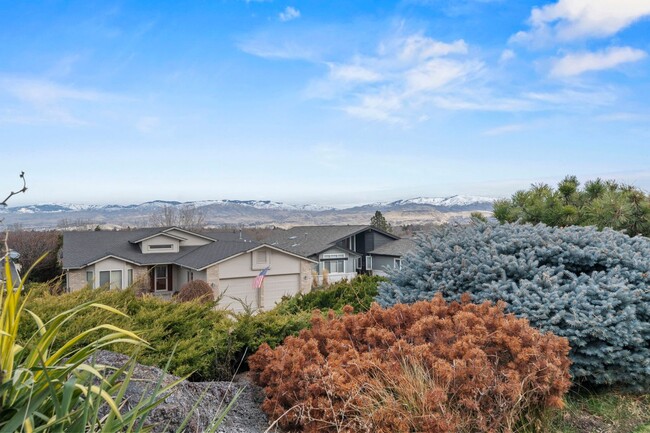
245, 212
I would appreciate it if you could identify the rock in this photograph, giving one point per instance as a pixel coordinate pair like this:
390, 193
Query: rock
245, 416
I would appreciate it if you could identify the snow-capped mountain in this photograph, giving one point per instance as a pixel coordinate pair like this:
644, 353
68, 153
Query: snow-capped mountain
452, 201
241, 212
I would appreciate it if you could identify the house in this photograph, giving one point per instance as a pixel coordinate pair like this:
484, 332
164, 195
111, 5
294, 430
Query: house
389, 255
342, 251
161, 260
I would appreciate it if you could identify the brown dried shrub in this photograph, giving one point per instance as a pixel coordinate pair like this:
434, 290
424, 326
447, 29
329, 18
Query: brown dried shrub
195, 290
427, 367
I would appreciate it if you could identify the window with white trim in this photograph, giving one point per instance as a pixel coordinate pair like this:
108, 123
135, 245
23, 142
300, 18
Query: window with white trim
129, 277
397, 263
90, 277
334, 266
113, 279
359, 262
159, 247
334, 256
368, 263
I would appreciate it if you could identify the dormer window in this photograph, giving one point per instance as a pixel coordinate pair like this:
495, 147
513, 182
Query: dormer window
161, 247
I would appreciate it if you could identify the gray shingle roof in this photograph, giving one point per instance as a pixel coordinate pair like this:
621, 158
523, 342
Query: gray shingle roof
397, 248
81, 248
309, 240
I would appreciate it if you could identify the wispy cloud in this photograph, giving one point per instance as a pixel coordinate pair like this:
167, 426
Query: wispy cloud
289, 13
402, 75
579, 63
44, 100
568, 20
505, 129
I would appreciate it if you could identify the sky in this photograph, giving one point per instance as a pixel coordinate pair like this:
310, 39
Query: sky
325, 102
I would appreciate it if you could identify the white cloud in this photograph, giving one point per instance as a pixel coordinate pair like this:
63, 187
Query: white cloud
578, 63
401, 77
353, 73
289, 14
47, 101
574, 19
507, 55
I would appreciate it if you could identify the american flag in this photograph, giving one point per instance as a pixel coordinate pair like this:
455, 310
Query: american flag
257, 284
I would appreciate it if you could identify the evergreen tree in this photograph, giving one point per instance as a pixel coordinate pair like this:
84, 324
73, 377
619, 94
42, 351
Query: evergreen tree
379, 221
590, 286
599, 203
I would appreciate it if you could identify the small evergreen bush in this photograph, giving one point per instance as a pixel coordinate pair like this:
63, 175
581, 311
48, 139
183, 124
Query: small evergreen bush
360, 293
588, 286
428, 367
196, 290
193, 328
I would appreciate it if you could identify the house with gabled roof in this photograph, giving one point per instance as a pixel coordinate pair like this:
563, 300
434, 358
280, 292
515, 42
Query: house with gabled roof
341, 251
161, 260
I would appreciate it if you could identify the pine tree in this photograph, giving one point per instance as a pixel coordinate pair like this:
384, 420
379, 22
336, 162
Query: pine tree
379, 221
599, 203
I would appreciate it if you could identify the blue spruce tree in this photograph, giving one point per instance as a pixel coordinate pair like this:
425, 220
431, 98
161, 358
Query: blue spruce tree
588, 286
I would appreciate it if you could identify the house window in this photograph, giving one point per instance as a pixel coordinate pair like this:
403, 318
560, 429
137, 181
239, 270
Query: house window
90, 276
334, 266
190, 276
160, 278
113, 279
398, 264
368, 263
334, 256
359, 262
161, 247
129, 277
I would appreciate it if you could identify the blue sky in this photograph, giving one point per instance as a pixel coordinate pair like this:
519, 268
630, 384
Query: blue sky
332, 102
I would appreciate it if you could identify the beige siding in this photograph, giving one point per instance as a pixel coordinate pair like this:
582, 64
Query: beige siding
145, 246
240, 266
305, 276
190, 240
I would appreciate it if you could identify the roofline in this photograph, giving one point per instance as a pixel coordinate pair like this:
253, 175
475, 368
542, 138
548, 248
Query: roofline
162, 232
108, 256
207, 238
369, 227
339, 248
256, 248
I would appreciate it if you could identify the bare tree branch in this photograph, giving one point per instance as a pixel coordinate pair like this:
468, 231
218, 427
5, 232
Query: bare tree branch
13, 193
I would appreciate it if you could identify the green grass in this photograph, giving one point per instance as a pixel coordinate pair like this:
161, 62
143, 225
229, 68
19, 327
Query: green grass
604, 411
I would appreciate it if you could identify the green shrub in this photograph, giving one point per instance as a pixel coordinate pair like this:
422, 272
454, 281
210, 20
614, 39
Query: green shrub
359, 293
249, 331
192, 327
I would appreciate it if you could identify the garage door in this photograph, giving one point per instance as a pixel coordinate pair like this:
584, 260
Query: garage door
241, 289
275, 287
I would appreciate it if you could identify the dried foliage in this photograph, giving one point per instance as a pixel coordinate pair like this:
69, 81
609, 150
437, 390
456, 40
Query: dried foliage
428, 367
196, 290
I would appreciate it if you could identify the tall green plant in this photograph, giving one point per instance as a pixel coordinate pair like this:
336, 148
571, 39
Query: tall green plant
57, 390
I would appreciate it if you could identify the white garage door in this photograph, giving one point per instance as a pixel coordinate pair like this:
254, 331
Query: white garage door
241, 289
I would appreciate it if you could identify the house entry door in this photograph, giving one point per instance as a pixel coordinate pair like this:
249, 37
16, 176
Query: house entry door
160, 278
